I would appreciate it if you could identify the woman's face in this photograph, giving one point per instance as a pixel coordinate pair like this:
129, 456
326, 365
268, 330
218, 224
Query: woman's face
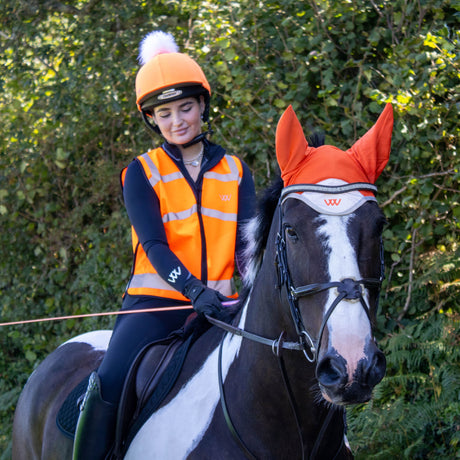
179, 121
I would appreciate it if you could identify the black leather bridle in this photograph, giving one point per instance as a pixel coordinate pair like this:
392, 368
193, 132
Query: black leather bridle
347, 288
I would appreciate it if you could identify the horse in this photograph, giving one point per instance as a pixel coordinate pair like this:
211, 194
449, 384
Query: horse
275, 381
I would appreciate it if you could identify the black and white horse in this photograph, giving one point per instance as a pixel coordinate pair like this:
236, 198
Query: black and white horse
273, 384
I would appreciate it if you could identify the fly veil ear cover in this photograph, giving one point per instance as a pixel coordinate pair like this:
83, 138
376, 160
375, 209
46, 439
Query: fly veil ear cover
302, 164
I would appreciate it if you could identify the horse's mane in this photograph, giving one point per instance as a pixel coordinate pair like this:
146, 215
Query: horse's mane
257, 229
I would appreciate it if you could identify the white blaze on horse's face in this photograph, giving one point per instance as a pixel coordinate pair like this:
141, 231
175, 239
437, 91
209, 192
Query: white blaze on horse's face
349, 327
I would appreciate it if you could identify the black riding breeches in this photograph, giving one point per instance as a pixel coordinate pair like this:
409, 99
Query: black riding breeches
131, 333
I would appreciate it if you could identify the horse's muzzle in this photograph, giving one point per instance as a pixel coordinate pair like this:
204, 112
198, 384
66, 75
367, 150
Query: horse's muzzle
338, 387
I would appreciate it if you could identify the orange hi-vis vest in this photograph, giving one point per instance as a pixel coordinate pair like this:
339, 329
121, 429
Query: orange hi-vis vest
197, 227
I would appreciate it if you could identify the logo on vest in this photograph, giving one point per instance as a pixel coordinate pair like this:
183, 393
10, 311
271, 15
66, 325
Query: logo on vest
225, 197
172, 278
333, 202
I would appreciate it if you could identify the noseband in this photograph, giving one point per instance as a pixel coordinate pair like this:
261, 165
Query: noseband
347, 288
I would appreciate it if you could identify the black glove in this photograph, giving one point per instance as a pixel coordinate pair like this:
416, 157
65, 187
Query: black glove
205, 300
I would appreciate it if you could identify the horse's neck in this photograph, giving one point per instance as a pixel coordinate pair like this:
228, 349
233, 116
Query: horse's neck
258, 397
266, 383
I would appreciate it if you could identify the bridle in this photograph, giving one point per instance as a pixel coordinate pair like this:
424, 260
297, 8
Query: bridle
347, 288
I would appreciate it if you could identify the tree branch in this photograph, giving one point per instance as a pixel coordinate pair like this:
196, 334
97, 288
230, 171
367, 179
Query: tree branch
392, 197
424, 176
411, 277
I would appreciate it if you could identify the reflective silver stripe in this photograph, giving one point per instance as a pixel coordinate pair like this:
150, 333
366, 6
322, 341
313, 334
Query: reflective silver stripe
172, 176
149, 280
234, 167
225, 287
156, 176
227, 216
328, 188
153, 169
209, 212
180, 215
154, 281
234, 173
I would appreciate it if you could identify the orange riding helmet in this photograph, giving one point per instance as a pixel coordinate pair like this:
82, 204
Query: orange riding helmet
167, 75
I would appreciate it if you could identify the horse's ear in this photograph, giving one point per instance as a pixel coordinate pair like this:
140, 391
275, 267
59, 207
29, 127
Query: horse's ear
372, 151
291, 144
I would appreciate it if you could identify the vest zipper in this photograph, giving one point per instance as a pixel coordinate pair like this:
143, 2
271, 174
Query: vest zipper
197, 189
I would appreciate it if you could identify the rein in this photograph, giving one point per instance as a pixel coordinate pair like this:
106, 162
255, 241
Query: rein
274, 344
347, 289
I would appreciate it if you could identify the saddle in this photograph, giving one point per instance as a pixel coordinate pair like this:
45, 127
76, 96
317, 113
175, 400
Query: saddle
148, 382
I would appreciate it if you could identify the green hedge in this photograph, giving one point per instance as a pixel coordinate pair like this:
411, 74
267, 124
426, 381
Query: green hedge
69, 125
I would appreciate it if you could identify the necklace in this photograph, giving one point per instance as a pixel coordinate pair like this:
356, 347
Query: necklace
194, 161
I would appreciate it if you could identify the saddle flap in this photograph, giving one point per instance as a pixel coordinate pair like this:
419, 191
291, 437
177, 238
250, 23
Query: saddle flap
133, 388
158, 359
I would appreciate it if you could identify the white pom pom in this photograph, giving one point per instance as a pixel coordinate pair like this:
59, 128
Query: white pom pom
156, 43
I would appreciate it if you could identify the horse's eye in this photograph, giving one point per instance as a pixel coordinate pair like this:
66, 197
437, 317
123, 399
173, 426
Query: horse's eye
291, 234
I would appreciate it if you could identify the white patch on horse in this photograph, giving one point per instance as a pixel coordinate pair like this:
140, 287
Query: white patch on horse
249, 254
99, 340
176, 429
349, 327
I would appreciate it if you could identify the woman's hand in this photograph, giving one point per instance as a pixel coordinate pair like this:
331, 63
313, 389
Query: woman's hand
205, 301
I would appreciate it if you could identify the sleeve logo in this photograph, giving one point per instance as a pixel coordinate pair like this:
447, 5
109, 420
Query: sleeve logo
172, 278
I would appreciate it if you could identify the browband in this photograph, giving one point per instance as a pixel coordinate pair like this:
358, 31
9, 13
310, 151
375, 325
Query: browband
355, 186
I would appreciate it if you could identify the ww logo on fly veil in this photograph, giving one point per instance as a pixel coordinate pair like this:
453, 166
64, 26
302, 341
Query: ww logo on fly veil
333, 201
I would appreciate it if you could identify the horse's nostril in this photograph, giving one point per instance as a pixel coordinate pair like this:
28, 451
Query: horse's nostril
376, 369
331, 371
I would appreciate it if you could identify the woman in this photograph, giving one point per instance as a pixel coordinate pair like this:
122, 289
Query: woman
186, 201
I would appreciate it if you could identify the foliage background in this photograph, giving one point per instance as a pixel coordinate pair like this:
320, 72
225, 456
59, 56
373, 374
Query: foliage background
69, 124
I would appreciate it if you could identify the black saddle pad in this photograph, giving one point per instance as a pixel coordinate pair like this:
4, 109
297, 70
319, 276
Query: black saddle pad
69, 412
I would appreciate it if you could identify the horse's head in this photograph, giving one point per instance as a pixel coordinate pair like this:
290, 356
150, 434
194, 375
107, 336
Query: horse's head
329, 253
